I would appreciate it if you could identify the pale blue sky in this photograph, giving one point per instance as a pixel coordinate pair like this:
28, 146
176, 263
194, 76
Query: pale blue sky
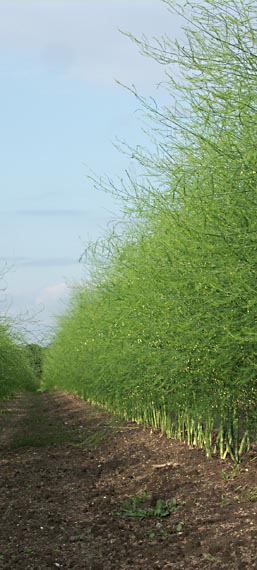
61, 110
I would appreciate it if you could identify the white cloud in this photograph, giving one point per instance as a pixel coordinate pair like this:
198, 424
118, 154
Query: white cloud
53, 293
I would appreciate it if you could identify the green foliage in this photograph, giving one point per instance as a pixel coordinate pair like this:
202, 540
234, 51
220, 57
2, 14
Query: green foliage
134, 507
16, 372
35, 354
251, 495
165, 331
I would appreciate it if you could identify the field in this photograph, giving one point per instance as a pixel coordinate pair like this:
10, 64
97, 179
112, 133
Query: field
80, 489
160, 473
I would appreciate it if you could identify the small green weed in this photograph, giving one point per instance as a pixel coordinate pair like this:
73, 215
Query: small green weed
210, 558
134, 507
225, 501
230, 475
224, 475
251, 495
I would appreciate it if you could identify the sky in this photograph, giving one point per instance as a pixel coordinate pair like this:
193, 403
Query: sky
61, 112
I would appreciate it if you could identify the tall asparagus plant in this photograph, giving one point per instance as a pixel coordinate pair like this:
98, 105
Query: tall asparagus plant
16, 371
166, 331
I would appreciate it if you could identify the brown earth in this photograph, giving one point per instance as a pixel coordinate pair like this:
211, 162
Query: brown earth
65, 470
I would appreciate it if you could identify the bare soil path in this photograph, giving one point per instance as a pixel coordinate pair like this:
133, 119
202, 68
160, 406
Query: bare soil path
66, 469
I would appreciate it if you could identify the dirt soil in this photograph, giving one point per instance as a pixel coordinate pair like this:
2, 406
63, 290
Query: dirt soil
66, 469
